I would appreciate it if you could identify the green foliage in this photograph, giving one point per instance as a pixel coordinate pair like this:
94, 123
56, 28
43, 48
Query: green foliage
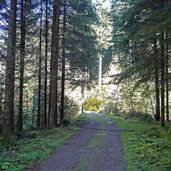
22, 154
93, 104
81, 118
81, 41
71, 108
112, 108
138, 117
147, 146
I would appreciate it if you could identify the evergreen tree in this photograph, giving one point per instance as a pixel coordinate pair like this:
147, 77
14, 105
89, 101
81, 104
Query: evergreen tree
8, 118
54, 65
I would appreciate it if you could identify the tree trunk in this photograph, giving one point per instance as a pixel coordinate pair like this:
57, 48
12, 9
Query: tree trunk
40, 72
157, 88
100, 76
46, 73
33, 108
63, 65
1, 105
54, 64
167, 80
130, 95
162, 60
22, 55
8, 117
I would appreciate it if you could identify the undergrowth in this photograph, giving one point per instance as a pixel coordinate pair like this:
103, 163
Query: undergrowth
147, 146
81, 119
99, 120
22, 154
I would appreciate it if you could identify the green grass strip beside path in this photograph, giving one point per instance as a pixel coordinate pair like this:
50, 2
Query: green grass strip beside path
147, 147
22, 154
99, 120
81, 119
88, 158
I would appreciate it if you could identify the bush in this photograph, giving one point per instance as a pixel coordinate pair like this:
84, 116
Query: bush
111, 108
133, 115
93, 104
71, 108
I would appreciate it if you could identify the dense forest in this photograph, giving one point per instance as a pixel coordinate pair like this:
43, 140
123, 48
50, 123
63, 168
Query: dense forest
47, 47
61, 57
44, 46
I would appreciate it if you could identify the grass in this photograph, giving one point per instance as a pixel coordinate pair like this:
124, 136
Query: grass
87, 159
99, 120
25, 153
81, 119
147, 146
22, 154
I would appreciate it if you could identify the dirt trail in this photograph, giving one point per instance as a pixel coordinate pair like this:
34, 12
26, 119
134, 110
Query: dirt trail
96, 147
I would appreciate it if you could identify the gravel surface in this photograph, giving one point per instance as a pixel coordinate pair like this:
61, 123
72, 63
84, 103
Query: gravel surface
96, 147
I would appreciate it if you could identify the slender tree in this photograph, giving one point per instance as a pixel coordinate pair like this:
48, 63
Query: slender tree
63, 64
40, 67
162, 62
22, 55
46, 60
8, 117
167, 79
157, 88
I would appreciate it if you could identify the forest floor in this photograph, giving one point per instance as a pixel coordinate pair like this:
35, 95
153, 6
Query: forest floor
97, 146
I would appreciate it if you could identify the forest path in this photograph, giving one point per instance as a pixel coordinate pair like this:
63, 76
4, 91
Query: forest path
96, 147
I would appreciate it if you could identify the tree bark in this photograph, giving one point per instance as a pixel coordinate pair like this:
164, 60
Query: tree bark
162, 60
46, 73
33, 108
157, 87
54, 65
40, 71
63, 65
1, 91
22, 55
100, 76
130, 95
8, 117
167, 80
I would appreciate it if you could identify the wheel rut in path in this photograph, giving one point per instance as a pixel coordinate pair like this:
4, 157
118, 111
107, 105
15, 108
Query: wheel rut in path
96, 147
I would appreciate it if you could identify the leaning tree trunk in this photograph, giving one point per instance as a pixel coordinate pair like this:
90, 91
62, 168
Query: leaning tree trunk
63, 65
22, 55
54, 65
8, 117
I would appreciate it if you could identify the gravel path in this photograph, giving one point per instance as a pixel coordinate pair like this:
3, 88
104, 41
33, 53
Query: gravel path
96, 147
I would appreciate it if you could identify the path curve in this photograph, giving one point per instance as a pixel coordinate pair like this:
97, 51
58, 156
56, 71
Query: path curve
96, 147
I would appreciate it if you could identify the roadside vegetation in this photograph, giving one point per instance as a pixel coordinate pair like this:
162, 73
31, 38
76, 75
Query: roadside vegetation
24, 152
147, 146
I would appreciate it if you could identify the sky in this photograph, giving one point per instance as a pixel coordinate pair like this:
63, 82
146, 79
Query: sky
106, 3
